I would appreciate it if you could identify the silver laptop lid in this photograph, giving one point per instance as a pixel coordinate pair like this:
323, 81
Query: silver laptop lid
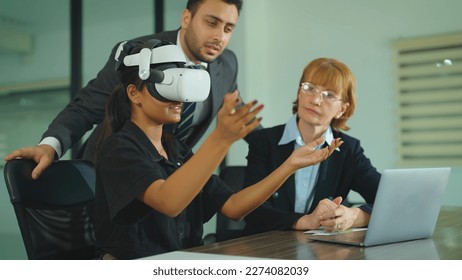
407, 204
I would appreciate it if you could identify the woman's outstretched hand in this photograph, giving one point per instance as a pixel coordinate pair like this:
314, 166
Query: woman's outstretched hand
234, 123
309, 155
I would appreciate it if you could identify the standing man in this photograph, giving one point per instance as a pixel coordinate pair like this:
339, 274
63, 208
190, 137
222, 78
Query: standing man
206, 29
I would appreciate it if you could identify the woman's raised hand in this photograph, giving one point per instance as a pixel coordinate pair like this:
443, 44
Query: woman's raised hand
309, 155
235, 122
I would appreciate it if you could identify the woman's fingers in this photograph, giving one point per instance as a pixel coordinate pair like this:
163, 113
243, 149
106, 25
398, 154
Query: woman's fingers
236, 119
231, 100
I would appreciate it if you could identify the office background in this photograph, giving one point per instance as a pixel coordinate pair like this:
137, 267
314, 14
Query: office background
273, 40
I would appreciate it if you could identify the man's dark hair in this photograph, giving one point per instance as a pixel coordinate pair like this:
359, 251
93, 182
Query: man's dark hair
193, 5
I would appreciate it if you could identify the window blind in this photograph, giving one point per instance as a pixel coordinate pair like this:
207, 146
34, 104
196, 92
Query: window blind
429, 100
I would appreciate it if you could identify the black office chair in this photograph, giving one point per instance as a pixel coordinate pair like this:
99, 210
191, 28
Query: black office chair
55, 213
226, 228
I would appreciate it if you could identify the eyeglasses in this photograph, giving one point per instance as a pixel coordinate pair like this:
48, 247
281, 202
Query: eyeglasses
327, 95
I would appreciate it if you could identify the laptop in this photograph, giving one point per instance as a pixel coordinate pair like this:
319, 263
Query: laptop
406, 207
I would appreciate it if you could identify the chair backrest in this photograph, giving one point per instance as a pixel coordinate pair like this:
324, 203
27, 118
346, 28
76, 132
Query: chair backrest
226, 228
55, 213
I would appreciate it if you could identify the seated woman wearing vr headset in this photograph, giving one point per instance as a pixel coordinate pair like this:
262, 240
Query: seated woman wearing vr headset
153, 194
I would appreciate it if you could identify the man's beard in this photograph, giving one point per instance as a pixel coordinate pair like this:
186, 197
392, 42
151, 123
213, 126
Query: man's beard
195, 49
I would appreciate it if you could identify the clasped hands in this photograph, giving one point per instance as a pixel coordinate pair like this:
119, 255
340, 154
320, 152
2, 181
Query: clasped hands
331, 215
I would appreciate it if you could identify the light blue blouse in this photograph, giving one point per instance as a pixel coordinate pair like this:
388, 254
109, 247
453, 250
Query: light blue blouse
305, 178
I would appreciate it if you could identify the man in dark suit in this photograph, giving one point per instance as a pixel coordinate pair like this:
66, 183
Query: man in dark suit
206, 29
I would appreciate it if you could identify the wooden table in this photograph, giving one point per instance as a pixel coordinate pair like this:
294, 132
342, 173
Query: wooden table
446, 243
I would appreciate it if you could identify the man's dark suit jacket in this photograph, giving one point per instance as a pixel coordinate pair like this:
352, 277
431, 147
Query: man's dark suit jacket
345, 170
88, 106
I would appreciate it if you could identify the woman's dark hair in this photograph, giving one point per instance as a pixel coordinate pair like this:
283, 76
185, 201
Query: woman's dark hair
118, 110
118, 106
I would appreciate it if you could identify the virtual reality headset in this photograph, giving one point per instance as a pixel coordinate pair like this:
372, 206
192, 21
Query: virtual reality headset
161, 64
